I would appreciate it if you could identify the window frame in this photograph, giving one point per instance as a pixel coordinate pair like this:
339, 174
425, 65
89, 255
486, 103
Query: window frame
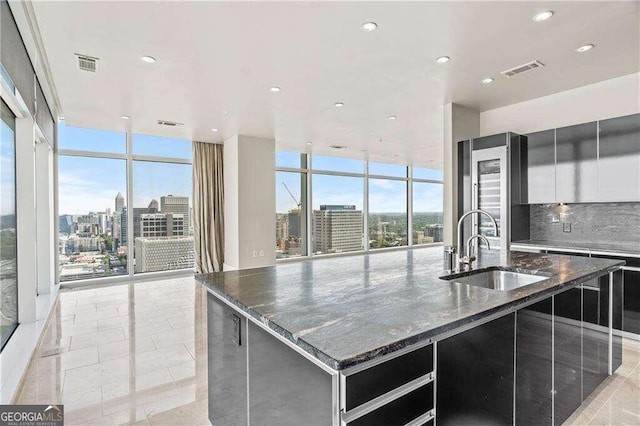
309, 171
130, 158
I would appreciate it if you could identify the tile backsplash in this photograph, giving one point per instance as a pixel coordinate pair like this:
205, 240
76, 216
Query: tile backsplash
597, 222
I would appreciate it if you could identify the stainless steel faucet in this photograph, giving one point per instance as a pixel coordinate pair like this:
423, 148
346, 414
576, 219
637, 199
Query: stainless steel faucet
464, 261
467, 260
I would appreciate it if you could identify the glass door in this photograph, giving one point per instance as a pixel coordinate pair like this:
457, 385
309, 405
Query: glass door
8, 253
490, 194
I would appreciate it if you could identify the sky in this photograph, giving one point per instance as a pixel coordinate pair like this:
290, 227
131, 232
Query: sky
91, 184
385, 196
7, 170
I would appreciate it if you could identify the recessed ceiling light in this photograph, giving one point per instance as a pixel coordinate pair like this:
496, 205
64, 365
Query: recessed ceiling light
585, 48
125, 117
61, 118
148, 59
309, 143
275, 89
392, 117
214, 130
369, 26
487, 80
543, 16
338, 105
443, 59
226, 113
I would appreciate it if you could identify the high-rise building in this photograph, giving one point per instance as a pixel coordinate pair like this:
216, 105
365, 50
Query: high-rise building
294, 223
435, 231
162, 225
177, 204
138, 211
119, 225
65, 222
119, 202
164, 253
337, 228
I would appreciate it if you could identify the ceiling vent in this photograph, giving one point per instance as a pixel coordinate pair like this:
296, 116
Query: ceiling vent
87, 63
520, 69
337, 147
169, 123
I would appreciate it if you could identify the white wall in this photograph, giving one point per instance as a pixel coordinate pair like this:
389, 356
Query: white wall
460, 123
249, 183
606, 99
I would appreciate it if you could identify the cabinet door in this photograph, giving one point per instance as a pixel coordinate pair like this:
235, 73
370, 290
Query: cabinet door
534, 343
577, 163
619, 159
595, 337
475, 375
567, 353
541, 167
284, 387
227, 364
631, 320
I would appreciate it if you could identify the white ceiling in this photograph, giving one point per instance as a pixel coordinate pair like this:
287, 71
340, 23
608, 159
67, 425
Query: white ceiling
215, 57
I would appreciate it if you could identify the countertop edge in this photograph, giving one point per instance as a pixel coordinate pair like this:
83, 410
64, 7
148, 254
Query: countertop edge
568, 248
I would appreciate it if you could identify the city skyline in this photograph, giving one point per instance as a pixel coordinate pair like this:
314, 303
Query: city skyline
89, 184
82, 190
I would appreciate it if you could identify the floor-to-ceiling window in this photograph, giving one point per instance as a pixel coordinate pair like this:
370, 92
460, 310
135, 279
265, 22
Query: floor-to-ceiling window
338, 204
291, 205
162, 210
388, 221
8, 253
124, 203
346, 196
92, 194
428, 205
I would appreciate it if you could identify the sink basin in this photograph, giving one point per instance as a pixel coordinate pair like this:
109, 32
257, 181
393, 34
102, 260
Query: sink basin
497, 279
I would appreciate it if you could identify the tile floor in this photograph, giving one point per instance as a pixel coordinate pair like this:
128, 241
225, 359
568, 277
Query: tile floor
131, 353
137, 353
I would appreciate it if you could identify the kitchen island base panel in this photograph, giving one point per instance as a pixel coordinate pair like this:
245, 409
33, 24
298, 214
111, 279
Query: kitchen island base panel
227, 365
475, 375
254, 378
284, 387
266, 365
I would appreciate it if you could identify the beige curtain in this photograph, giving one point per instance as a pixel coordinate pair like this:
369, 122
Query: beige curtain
208, 206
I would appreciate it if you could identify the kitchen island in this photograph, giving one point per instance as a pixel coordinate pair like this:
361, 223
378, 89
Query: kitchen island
382, 339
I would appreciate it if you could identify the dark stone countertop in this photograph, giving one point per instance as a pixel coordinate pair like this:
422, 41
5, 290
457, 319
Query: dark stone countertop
347, 310
621, 249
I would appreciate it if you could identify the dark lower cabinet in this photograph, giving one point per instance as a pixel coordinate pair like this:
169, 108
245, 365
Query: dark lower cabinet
401, 411
595, 337
567, 353
256, 379
227, 365
284, 387
368, 384
475, 375
534, 345
631, 320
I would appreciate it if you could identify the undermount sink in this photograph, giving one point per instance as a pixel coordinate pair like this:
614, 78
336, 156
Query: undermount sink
497, 278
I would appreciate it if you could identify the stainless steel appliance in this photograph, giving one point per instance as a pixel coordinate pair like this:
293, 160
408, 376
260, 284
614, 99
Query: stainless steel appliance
491, 170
